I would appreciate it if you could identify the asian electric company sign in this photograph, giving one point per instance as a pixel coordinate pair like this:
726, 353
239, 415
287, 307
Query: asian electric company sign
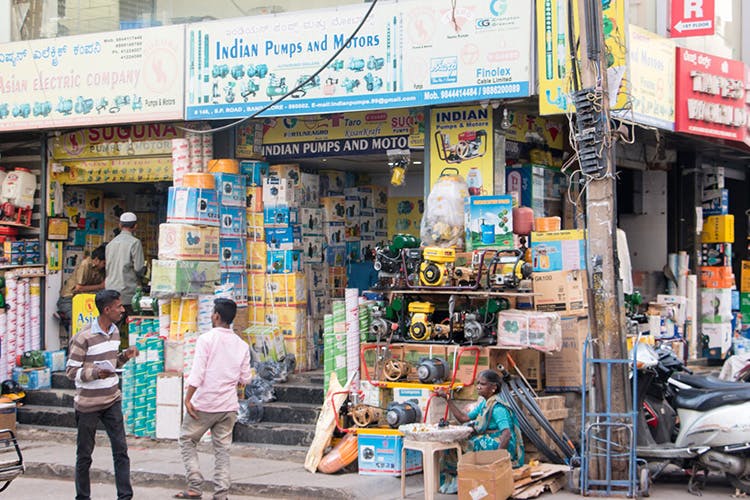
710, 96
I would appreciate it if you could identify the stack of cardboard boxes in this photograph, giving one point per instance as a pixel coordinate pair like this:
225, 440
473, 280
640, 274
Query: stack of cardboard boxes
231, 190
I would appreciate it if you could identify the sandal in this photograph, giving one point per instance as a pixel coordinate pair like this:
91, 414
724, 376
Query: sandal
188, 494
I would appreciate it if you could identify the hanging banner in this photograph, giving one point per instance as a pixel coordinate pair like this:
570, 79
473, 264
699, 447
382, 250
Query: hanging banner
462, 139
404, 215
91, 171
553, 54
652, 70
412, 53
711, 98
342, 134
103, 78
125, 140
523, 127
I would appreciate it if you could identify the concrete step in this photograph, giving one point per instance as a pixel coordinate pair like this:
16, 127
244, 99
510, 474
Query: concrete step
292, 413
275, 433
51, 397
60, 381
57, 416
299, 393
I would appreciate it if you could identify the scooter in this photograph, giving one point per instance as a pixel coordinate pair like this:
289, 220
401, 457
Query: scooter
713, 434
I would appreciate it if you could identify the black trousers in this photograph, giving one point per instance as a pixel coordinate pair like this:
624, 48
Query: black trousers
111, 418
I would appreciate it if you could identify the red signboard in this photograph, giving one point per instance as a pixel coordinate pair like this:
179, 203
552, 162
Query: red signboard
692, 18
747, 105
710, 96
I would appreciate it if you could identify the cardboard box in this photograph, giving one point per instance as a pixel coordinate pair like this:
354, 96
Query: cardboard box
187, 242
231, 189
312, 249
715, 202
256, 230
279, 215
309, 190
335, 255
256, 256
256, 288
286, 289
331, 181
254, 198
295, 345
54, 360
716, 305
745, 305
317, 276
289, 171
486, 475
745, 277
283, 261
278, 191
311, 220
558, 250
560, 290
235, 284
232, 254
170, 277
716, 254
196, 206
8, 416
232, 222
380, 453
284, 238
168, 405
319, 303
255, 171
381, 220
32, 379
354, 251
489, 222
283, 314
718, 229
334, 233
529, 329
562, 370
716, 277
334, 208
266, 341
717, 335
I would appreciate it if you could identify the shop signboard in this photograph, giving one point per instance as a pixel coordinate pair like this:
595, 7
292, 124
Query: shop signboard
407, 54
710, 96
462, 138
103, 171
120, 140
553, 54
652, 70
747, 104
339, 134
103, 78
692, 18
524, 127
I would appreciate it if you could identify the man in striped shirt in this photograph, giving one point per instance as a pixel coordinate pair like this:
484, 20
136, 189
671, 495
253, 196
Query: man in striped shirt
93, 358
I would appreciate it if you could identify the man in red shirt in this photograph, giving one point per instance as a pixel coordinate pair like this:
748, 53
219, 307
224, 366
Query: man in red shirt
222, 360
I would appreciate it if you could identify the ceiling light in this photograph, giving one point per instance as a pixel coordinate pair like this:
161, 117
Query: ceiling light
417, 162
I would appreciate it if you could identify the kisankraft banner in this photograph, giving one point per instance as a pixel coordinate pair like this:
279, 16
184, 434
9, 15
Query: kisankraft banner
338, 134
553, 54
711, 97
407, 54
103, 78
652, 70
462, 138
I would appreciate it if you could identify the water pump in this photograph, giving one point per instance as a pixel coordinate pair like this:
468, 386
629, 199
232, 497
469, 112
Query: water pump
432, 370
398, 414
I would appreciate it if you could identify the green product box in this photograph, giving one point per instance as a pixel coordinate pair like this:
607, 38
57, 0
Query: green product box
745, 306
171, 277
489, 222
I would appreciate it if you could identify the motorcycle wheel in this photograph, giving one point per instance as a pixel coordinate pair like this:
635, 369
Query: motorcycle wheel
741, 483
644, 482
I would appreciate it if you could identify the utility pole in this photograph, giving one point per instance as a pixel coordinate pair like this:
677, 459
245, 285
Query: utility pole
606, 315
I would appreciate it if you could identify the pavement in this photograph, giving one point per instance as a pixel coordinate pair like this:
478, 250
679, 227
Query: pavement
257, 472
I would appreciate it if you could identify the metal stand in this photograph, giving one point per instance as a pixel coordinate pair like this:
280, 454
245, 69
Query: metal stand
598, 428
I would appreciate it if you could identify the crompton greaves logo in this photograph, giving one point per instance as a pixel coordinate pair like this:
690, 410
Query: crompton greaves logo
498, 7
443, 70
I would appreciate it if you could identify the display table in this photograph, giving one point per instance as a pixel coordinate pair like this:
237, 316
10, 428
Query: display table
429, 463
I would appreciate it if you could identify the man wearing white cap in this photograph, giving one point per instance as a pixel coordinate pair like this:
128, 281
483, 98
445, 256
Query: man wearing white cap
125, 263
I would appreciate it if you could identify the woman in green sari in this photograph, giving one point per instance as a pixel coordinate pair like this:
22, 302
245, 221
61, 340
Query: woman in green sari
495, 427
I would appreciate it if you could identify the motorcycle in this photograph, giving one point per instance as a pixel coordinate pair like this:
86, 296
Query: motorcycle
692, 421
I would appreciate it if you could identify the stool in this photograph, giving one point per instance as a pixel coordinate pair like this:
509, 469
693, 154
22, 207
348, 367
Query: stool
429, 464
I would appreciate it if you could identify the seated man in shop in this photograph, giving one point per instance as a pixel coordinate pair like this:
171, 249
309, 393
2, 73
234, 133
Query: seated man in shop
87, 277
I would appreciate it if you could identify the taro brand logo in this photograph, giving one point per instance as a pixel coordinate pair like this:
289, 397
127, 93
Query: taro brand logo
443, 70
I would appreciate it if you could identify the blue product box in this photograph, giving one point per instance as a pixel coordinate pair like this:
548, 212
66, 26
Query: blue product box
255, 171
55, 360
32, 246
558, 250
335, 255
735, 300
380, 455
232, 254
33, 378
353, 251
280, 215
32, 259
231, 189
236, 285
284, 261
715, 202
489, 222
233, 221
187, 205
10, 247
95, 223
284, 238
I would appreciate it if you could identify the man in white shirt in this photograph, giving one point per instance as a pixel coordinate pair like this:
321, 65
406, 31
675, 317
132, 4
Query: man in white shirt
125, 262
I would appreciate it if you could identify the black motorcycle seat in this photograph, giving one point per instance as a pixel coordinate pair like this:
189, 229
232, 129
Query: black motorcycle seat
704, 400
709, 382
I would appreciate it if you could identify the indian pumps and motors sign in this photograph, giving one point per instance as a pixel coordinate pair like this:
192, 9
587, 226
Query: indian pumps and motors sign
692, 18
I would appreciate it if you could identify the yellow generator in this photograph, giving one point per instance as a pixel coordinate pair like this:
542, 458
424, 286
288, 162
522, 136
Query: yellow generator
435, 269
420, 321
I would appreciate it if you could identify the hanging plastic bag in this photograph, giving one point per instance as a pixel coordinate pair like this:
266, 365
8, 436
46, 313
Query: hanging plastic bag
250, 412
443, 220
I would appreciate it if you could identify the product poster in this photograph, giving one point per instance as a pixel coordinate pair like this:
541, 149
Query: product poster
553, 54
414, 53
336, 134
118, 77
652, 70
84, 311
404, 215
526, 128
461, 139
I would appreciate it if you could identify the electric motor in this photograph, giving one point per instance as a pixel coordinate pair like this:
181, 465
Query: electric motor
379, 327
398, 414
473, 330
432, 370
